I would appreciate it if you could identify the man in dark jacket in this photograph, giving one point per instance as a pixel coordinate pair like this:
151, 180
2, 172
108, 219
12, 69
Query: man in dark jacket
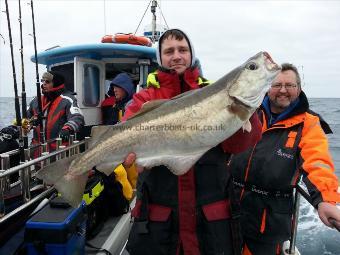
120, 92
61, 114
113, 108
8, 142
293, 144
187, 214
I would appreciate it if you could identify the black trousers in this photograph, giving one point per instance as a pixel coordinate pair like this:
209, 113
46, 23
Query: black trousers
255, 247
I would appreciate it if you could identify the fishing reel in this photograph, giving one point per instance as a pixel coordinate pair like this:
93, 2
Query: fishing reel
28, 124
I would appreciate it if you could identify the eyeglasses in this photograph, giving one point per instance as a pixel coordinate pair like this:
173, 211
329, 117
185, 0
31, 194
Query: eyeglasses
46, 81
288, 86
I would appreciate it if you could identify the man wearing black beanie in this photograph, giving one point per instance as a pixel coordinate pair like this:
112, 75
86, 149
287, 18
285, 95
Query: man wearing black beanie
61, 114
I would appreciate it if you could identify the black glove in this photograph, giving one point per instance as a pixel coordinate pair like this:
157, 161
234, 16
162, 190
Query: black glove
10, 132
65, 134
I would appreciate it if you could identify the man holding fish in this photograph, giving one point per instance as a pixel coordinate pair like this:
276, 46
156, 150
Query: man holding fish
183, 204
189, 213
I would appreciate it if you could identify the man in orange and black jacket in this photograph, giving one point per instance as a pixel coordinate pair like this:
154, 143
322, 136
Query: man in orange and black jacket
293, 144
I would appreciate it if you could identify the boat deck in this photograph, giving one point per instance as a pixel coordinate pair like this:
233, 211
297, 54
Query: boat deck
113, 235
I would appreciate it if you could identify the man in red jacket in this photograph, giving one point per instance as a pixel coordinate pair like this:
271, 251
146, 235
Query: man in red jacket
187, 214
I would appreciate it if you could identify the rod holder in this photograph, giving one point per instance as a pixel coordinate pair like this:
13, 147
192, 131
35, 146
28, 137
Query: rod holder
2, 197
25, 176
5, 164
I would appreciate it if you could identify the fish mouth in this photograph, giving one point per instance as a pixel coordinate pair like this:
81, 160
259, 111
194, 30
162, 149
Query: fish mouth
242, 103
270, 64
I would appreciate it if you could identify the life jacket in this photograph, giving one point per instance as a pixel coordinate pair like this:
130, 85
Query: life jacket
153, 80
61, 112
112, 112
165, 84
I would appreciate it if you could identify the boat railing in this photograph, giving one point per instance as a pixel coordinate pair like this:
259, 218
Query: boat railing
26, 170
298, 192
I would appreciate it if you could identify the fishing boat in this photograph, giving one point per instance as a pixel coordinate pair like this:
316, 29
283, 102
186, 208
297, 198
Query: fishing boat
87, 68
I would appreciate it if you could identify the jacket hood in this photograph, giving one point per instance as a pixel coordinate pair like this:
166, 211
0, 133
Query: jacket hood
158, 53
124, 81
55, 77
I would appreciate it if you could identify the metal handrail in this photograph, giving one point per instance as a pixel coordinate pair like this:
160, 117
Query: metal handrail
299, 191
32, 201
31, 148
25, 171
42, 158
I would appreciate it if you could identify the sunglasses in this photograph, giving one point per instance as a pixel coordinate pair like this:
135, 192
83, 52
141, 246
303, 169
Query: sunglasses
46, 81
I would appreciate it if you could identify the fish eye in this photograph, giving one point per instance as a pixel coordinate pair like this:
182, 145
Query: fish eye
251, 66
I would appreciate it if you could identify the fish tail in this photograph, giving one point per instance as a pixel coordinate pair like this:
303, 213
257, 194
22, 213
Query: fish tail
72, 190
56, 173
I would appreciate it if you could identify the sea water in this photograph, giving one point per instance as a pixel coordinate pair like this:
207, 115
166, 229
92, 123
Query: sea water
313, 237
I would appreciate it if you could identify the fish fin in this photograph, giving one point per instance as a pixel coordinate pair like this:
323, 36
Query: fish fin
247, 126
177, 164
56, 173
72, 189
96, 132
187, 93
241, 111
149, 106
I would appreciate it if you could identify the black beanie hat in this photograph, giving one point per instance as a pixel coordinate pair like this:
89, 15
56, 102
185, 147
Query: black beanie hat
55, 77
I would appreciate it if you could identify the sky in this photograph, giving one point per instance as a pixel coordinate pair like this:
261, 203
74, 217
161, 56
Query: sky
224, 33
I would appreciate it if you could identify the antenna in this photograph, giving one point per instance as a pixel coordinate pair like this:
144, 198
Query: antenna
153, 11
303, 84
153, 31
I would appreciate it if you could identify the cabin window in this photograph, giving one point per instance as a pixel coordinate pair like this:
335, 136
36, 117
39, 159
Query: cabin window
67, 70
91, 85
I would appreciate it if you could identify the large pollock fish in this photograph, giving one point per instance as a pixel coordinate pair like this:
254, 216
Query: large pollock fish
173, 132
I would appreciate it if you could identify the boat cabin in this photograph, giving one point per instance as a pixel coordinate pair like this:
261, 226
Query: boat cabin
88, 70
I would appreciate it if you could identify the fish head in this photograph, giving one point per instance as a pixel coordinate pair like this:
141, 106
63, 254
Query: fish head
252, 80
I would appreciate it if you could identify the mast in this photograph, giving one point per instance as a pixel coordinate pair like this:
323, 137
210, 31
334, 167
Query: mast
153, 11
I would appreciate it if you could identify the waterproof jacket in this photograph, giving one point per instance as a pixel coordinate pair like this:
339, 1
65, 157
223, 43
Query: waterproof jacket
189, 213
60, 113
112, 111
264, 176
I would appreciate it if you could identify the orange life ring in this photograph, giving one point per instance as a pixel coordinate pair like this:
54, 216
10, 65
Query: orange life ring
127, 38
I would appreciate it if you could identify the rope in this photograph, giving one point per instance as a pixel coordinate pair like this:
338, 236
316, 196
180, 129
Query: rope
167, 26
104, 17
142, 17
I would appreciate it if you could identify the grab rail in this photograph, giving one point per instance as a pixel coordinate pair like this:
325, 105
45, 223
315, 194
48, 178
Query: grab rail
26, 170
299, 191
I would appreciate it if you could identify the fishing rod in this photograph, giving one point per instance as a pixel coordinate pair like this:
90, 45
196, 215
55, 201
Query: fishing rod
17, 105
23, 90
16, 97
40, 119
